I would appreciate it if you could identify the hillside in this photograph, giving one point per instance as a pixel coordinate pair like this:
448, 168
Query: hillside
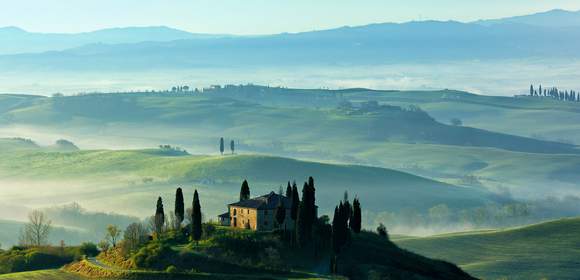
371, 123
547, 250
312, 125
134, 172
42, 275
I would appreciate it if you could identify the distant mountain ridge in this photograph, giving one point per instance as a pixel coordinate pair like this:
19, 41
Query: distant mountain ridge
16, 40
424, 41
552, 18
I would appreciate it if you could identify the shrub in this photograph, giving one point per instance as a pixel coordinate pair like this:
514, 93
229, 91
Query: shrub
154, 256
88, 249
171, 269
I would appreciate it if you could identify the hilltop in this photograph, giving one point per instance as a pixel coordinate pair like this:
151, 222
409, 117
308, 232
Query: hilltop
546, 250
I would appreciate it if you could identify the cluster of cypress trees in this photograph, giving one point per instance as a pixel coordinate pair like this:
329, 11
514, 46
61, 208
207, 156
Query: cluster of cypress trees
159, 219
555, 93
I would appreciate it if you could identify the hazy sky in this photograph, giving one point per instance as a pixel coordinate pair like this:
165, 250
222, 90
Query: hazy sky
253, 16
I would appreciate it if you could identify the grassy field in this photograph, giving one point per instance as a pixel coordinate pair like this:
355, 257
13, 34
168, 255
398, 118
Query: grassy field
53, 274
543, 251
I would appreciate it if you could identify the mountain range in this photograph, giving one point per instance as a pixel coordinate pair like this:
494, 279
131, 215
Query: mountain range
552, 34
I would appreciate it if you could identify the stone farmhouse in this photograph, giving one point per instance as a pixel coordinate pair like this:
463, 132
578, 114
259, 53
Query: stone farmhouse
258, 213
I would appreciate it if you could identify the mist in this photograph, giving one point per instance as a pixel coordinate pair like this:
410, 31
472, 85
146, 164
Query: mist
494, 77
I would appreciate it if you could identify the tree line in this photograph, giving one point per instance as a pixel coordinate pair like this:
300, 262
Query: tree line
555, 93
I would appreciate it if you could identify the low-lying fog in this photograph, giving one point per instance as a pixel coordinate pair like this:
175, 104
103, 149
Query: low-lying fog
497, 77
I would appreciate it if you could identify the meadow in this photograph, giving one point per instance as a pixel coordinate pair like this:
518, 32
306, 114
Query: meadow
541, 251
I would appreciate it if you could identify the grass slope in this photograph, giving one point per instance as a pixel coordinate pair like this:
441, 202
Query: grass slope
547, 250
53, 274
145, 170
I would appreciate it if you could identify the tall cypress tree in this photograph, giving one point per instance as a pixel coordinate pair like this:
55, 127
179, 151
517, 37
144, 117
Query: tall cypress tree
532, 90
179, 207
312, 211
196, 218
356, 219
289, 190
306, 214
347, 206
159, 217
232, 146
295, 203
245, 191
280, 212
335, 233
222, 145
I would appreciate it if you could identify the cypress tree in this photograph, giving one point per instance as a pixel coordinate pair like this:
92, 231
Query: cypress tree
532, 90
179, 207
280, 212
196, 218
311, 202
245, 191
232, 146
335, 233
159, 217
306, 214
347, 207
356, 219
295, 203
222, 145
289, 190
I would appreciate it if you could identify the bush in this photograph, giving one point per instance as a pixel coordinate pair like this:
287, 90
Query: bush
171, 269
88, 249
154, 256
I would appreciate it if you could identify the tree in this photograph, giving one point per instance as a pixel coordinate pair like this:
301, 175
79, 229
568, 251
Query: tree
112, 235
295, 202
456, 122
232, 146
245, 191
179, 208
134, 236
222, 146
36, 232
382, 230
196, 218
289, 191
531, 90
335, 231
306, 214
159, 217
356, 219
280, 212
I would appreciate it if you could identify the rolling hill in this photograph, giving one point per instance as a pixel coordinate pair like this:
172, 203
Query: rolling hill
143, 174
310, 124
542, 251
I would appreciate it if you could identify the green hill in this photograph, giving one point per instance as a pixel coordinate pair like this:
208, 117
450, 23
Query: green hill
95, 176
542, 251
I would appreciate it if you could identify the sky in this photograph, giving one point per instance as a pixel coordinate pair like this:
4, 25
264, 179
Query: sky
246, 17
